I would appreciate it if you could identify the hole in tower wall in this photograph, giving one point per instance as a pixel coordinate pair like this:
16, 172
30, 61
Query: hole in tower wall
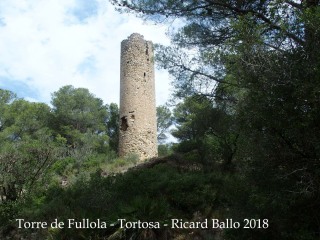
132, 118
124, 123
144, 74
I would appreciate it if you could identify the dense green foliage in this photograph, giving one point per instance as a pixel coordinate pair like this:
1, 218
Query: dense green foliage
164, 122
247, 76
41, 146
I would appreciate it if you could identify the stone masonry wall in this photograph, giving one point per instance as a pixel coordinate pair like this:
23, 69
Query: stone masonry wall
138, 126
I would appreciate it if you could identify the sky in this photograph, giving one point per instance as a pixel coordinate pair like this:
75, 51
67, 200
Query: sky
47, 44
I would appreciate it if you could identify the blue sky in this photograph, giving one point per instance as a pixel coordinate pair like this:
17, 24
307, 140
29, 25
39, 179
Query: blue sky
46, 44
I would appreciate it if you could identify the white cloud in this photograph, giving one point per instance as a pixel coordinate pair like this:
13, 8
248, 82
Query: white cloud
46, 44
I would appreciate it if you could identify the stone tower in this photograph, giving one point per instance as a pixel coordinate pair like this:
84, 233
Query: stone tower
138, 123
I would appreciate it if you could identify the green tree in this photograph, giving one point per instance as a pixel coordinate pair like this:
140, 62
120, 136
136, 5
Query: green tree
112, 122
21, 118
201, 125
192, 118
213, 28
259, 61
164, 122
27, 146
6, 96
78, 113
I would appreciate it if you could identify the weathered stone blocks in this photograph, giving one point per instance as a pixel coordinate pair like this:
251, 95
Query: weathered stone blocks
138, 126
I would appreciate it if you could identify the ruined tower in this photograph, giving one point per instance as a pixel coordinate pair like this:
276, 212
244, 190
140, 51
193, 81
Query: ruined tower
138, 126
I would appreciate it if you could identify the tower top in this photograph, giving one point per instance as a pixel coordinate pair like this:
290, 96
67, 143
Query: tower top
135, 36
